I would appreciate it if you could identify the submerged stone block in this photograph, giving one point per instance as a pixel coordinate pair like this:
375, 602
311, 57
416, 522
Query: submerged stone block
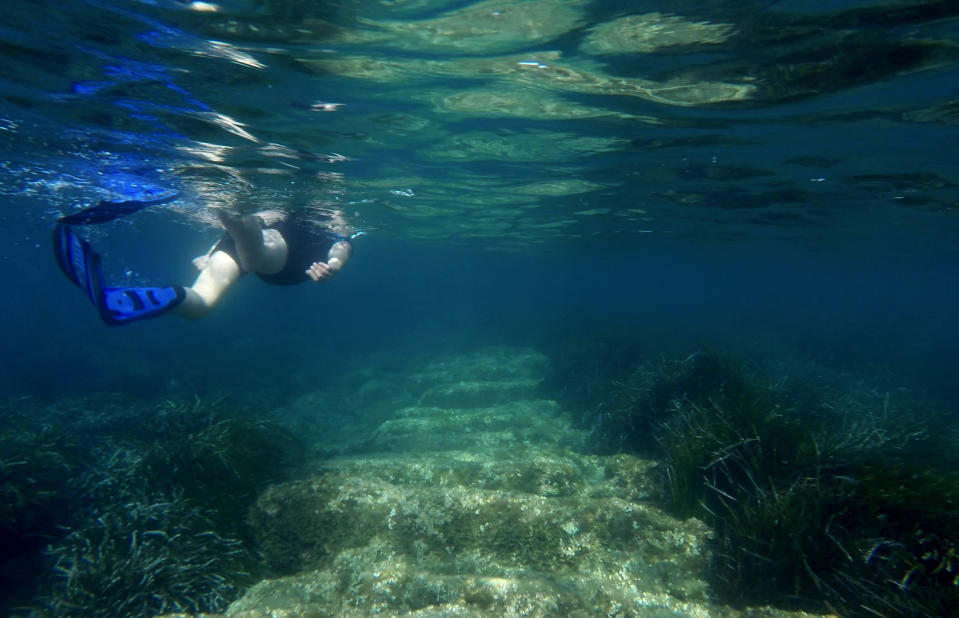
432, 428
477, 507
475, 393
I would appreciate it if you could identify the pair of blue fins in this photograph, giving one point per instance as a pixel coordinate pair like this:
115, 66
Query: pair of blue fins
81, 264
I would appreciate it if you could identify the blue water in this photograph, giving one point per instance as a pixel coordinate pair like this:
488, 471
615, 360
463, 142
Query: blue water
819, 211
515, 184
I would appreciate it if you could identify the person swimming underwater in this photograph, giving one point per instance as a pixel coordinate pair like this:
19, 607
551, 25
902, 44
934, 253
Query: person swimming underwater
281, 249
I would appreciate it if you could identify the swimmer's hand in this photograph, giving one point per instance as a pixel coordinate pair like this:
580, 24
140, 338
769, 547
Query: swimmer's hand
336, 259
322, 271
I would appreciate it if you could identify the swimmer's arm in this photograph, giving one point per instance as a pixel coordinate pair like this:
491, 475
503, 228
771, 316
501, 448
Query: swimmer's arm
336, 259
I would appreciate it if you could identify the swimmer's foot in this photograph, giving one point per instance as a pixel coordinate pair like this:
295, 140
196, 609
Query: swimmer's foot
239, 226
124, 305
81, 264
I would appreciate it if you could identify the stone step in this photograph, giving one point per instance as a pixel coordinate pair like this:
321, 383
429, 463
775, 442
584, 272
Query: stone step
390, 586
475, 441
537, 470
428, 428
492, 363
478, 393
476, 502
305, 525
520, 409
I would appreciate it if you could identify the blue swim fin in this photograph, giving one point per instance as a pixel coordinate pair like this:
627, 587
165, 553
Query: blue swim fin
81, 264
108, 210
78, 261
123, 305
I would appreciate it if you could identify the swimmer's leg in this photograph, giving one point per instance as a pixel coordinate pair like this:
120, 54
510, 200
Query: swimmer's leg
218, 275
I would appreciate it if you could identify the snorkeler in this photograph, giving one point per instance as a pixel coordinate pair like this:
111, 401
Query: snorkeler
281, 249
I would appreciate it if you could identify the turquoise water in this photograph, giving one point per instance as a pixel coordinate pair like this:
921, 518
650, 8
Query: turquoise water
772, 179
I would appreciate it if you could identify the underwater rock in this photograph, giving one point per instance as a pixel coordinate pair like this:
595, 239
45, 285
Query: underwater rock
478, 508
